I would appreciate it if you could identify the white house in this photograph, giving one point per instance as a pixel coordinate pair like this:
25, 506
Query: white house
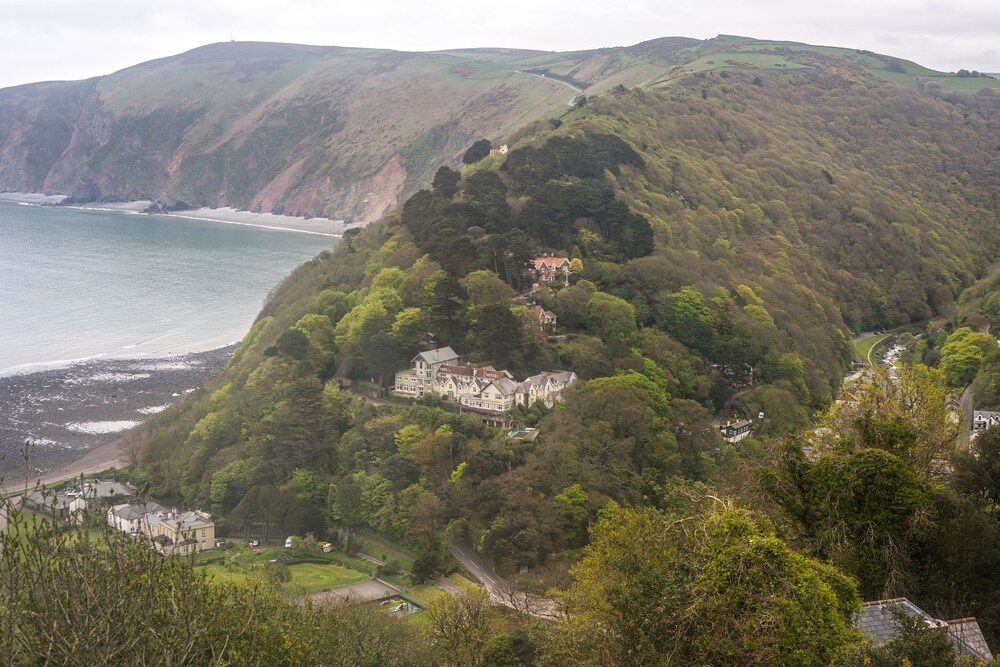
129, 518
982, 420
419, 378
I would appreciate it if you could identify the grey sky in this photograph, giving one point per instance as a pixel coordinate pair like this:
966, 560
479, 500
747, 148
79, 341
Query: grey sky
72, 39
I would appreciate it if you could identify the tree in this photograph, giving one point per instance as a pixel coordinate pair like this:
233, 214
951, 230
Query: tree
446, 182
710, 587
964, 353
908, 416
611, 318
977, 470
477, 151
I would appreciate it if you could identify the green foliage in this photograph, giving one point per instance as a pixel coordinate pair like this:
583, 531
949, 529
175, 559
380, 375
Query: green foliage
477, 151
715, 587
965, 353
68, 591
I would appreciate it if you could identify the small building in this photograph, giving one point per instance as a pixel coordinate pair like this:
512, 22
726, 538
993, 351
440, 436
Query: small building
181, 533
51, 504
982, 420
129, 517
878, 623
733, 432
546, 319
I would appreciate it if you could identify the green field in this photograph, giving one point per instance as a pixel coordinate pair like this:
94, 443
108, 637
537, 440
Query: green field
306, 577
865, 344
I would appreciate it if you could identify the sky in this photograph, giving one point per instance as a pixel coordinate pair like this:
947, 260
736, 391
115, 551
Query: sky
44, 40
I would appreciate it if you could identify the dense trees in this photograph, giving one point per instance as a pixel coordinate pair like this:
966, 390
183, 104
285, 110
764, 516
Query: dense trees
74, 598
719, 265
706, 586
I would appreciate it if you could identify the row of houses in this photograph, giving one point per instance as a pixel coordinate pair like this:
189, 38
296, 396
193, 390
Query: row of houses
70, 504
479, 388
169, 532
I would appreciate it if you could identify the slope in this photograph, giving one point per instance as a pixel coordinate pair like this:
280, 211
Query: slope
348, 133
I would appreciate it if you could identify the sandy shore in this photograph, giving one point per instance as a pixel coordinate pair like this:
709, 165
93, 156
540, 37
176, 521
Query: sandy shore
231, 216
225, 215
77, 417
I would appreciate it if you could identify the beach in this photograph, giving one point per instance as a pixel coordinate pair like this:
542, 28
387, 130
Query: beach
223, 215
74, 418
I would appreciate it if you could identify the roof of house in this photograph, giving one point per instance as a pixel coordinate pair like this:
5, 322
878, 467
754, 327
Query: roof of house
134, 511
48, 499
487, 372
985, 415
437, 355
548, 376
549, 262
877, 622
541, 313
181, 521
504, 385
98, 489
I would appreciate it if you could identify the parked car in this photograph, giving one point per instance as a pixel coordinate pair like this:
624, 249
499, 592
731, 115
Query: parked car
288, 542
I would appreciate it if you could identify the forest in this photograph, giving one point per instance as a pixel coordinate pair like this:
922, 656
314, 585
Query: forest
731, 236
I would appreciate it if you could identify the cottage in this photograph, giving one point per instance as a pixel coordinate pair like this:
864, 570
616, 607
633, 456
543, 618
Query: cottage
733, 432
982, 420
54, 505
129, 517
546, 319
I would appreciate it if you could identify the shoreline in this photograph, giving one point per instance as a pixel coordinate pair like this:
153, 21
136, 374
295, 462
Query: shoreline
77, 418
223, 215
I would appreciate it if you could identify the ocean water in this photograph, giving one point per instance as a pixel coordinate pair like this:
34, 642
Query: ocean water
79, 284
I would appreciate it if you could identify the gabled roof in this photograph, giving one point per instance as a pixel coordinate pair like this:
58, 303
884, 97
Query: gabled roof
877, 622
541, 313
549, 262
968, 632
505, 386
437, 355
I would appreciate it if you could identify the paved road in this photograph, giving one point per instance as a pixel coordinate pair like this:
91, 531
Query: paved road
499, 590
572, 100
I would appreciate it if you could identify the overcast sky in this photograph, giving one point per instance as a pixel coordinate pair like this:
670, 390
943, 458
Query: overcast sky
72, 39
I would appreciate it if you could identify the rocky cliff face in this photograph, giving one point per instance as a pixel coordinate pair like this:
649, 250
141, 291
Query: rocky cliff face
315, 131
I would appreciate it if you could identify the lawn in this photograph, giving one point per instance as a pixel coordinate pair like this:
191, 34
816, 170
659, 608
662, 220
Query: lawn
865, 344
313, 578
306, 577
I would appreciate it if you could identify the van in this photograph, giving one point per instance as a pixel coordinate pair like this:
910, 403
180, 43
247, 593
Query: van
288, 542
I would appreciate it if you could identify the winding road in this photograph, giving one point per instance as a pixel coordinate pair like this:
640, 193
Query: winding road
500, 590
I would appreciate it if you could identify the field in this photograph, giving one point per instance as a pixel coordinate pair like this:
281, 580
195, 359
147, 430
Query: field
307, 577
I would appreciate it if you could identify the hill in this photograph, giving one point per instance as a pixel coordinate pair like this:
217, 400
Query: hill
733, 229
346, 133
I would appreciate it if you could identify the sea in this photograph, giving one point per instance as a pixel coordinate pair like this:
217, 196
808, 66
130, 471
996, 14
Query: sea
108, 318
78, 284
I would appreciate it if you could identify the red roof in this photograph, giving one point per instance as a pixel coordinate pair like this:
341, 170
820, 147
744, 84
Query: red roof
550, 262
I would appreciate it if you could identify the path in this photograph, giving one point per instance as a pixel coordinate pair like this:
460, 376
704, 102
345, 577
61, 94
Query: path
549, 78
721, 414
500, 590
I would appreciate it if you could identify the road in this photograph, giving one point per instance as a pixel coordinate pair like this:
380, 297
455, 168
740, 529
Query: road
500, 590
572, 100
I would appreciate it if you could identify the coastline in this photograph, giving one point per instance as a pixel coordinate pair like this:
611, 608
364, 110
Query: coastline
78, 417
223, 215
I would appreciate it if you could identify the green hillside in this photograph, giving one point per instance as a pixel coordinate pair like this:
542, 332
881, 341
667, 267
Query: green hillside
343, 132
727, 222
